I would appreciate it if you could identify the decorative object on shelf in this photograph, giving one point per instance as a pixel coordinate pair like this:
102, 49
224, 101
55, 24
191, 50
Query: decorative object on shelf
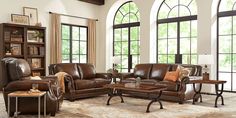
20, 19
206, 60
32, 13
8, 53
39, 36
39, 24
36, 63
16, 49
16, 36
115, 61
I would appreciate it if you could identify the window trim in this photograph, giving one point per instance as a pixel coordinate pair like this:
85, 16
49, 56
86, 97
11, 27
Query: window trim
128, 26
176, 20
223, 14
71, 39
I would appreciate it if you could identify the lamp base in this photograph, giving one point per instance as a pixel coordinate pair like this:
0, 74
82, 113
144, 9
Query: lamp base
205, 76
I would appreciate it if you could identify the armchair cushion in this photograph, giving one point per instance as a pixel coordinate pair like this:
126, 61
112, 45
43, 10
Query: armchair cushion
87, 71
84, 84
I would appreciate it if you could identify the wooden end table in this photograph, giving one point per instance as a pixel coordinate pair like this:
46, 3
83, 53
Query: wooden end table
18, 94
218, 93
150, 90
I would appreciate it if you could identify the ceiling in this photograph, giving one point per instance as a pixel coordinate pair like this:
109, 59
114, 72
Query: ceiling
96, 2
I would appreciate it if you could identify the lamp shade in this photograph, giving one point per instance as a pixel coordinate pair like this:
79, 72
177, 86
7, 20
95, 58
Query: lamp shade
205, 59
116, 60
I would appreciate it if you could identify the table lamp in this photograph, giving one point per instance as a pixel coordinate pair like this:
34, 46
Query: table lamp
115, 61
205, 60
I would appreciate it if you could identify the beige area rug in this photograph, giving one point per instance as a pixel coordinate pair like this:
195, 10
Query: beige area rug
135, 108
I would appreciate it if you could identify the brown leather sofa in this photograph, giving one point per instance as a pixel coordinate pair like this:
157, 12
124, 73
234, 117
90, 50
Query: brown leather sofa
16, 77
82, 80
178, 91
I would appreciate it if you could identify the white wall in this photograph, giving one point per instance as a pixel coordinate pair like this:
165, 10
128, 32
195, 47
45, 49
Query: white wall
71, 7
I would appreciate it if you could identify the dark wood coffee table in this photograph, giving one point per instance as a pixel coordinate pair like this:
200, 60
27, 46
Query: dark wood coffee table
154, 91
218, 93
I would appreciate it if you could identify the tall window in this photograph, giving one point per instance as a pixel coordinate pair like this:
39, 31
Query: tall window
74, 43
126, 36
226, 43
177, 32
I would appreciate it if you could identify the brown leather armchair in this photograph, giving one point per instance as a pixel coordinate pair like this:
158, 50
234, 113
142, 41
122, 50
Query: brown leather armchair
82, 80
16, 77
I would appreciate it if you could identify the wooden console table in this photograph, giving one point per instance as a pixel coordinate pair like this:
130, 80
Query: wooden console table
18, 94
218, 93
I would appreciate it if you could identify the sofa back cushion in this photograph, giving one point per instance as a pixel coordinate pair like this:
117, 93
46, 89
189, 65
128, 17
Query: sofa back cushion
87, 71
142, 70
70, 68
158, 71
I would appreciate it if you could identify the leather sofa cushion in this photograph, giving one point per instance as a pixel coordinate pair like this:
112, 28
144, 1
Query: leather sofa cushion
84, 84
87, 71
100, 82
19, 69
171, 86
142, 70
69, 68
158, 71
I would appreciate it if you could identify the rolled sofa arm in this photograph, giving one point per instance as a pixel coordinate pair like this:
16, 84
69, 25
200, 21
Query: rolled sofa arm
69, 82
184, 81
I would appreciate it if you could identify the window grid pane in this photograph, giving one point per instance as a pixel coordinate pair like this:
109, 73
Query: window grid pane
74, 44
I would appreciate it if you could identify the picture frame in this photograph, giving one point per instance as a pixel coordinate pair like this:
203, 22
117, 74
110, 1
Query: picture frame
15, 49
32, 13
32, 36
36, 63
20, 19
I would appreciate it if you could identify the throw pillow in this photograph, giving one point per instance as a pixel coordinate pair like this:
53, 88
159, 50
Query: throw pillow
172, 75
183, 72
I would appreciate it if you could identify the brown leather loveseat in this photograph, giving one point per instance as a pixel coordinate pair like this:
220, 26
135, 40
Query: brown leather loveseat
82, 81
178, 91
16, 77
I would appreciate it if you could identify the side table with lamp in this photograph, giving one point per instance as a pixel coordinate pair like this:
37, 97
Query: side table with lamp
115, 74
207, 59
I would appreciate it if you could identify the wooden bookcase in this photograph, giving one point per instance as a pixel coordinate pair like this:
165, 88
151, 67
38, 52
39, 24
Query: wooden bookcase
26, 42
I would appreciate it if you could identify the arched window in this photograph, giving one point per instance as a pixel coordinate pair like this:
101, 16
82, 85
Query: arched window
177, 32
126, 36
226, 43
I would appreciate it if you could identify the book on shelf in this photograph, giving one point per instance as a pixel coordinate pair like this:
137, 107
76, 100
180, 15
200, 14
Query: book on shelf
16, 37
33, 50
41, 50
7, 35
